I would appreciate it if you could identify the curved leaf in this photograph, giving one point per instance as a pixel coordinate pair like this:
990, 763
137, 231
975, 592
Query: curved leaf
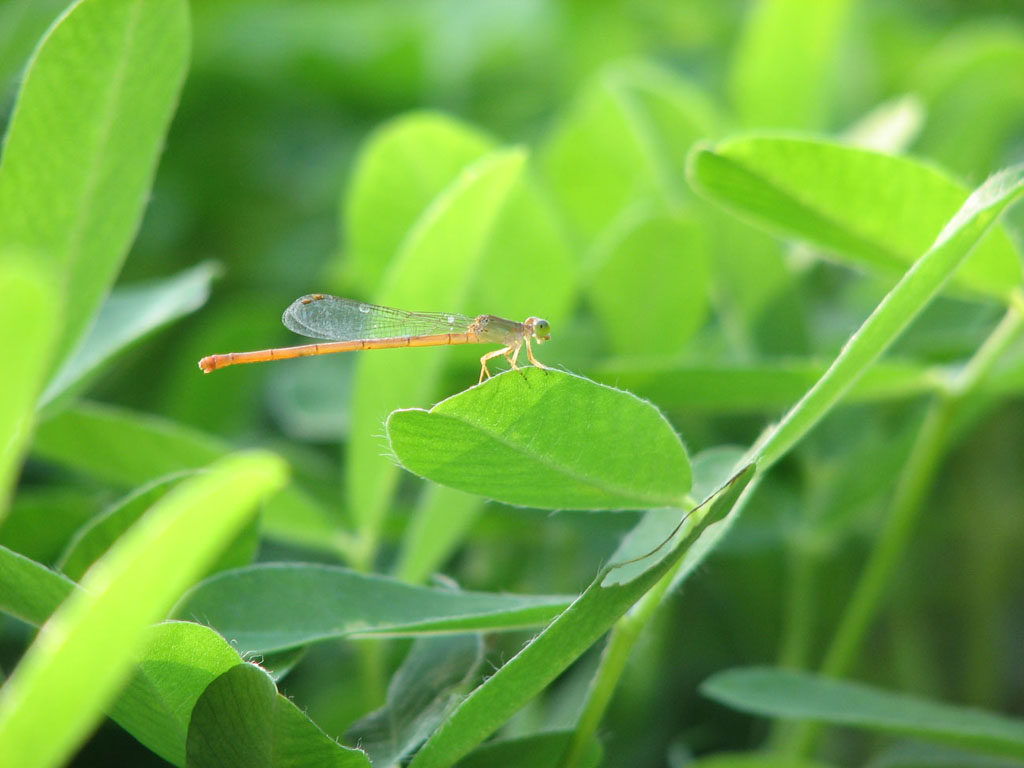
241, 721
273, 606
548, 439
84, 138
876, 211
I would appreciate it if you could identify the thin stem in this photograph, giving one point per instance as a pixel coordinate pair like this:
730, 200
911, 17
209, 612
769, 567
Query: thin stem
930, 446
621, 640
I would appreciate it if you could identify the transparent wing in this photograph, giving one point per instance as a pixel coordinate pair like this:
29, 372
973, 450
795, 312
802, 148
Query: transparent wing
321, 316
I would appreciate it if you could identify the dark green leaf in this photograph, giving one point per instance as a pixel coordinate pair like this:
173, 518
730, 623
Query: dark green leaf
273, 606
796, 695
241, 721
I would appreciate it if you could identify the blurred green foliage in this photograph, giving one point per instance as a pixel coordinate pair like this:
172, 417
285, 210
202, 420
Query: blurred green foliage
705, 198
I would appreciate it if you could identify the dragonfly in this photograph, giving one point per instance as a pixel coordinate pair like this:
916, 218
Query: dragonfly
346, 325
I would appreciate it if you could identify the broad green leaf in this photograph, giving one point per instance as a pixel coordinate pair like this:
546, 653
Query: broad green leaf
917, 754
241, 721
434, 271
29, 590
617, 145
876, 211
420, 694
131, 313
131, 449
797, 695
548, 655
544, 438
440, 521
910, 295
83, 142
975, 107
96, 537
538, 750
273, 606
650, 289
785, 64
29, 326
83, 654
758, 387
172, 669
403, 166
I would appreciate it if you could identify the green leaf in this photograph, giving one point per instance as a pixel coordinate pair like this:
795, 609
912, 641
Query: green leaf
29, 590
622, 136
241, 721
131, 313
175, 665
872, 210
544, 438
650, 290
785, 64
434, 271
538, 750
83, 142
84, 653
131, 449
419, 696
548, 655
29, 317
97, 536
270, 607
910, 295
796, 695
764, 386
403, 166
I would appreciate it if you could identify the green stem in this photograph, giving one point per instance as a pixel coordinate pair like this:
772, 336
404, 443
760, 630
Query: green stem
621, 640
930, 446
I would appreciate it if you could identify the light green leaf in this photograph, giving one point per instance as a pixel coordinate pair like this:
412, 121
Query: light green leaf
548, 655
544, 438
130, 449
29, 326
873, 210
29, 590
84, 653
273, 606
403, 166
785, 64
538, 750
650, 290
624, 134
890, 127
419, 696
797, 695
242, 721
83, 142
910, 295
765, 386
434, 271
131, 313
